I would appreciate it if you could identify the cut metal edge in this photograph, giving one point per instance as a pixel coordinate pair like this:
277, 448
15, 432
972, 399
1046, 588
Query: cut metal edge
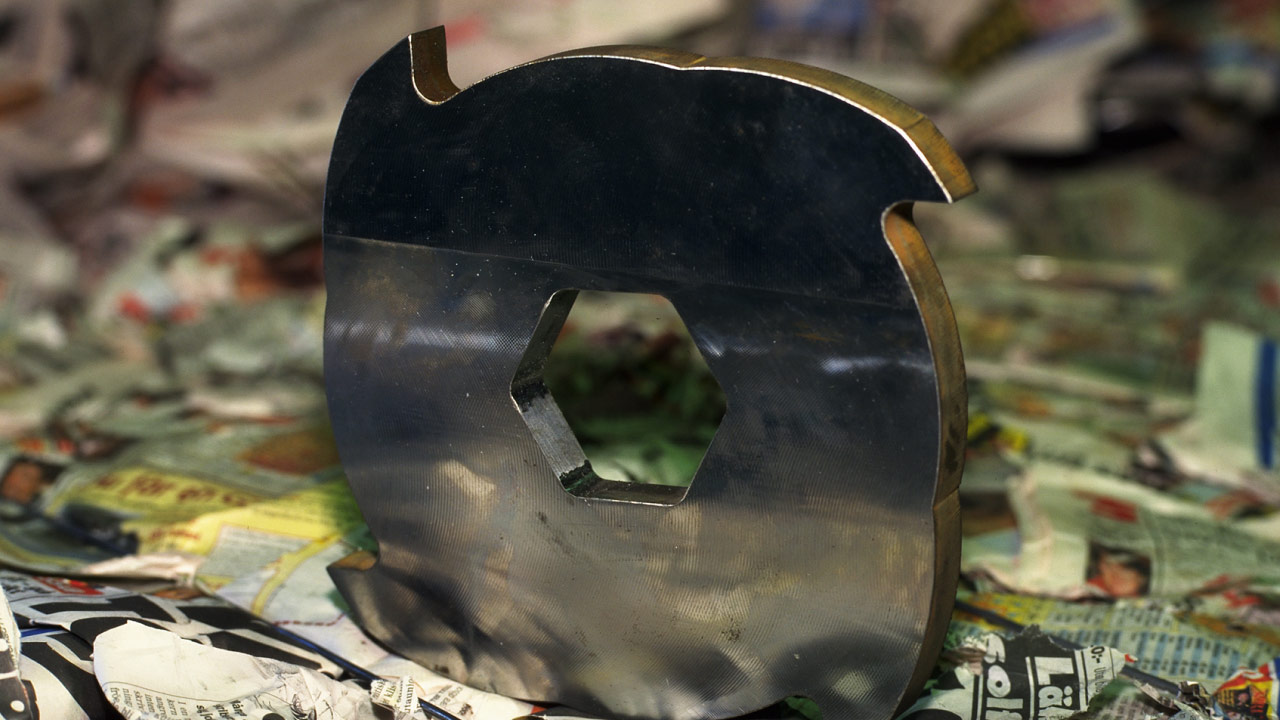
953, 412
429, 66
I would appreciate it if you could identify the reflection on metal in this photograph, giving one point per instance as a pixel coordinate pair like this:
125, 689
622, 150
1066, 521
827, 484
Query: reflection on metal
815, 552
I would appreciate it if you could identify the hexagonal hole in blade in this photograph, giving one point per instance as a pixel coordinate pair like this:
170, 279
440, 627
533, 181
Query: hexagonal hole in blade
618, 396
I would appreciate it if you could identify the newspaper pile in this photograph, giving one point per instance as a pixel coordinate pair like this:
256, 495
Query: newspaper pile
169, 486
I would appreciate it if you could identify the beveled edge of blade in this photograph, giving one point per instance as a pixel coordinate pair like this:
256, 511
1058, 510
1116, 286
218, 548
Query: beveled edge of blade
953, 419
429, 63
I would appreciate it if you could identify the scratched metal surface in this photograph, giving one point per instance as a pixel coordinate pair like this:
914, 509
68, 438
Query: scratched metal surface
806, 557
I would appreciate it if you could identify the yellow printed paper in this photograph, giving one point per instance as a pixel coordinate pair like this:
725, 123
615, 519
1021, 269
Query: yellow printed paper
154, 496
240, 540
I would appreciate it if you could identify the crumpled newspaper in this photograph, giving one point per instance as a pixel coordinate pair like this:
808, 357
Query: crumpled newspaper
15, 701
182, 678
1087, 534
61, 620
1250, 694
1018, 678
1164, 638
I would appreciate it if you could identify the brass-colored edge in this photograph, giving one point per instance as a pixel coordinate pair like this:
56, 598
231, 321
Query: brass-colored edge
429, 65
944, 341
358, 560
946, 527
953, 412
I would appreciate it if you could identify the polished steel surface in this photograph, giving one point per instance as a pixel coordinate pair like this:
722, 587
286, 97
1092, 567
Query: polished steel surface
815, 551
